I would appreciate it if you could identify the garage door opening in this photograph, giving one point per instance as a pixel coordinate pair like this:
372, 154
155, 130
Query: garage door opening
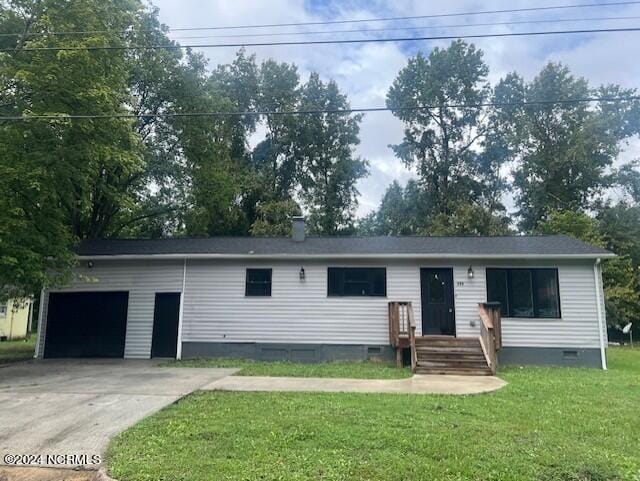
86, 324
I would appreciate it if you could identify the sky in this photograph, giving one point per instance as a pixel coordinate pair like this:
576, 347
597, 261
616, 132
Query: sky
365, 71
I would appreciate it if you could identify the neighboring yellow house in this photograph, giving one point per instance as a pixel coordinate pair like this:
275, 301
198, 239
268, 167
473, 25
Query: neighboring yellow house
14, 318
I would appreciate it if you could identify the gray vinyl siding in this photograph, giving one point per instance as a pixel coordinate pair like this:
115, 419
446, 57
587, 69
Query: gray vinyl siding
578, 326
217, 310
142, 279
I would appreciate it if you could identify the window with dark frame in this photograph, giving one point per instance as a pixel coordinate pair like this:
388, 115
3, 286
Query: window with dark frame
357, 282
525, 293
258, 283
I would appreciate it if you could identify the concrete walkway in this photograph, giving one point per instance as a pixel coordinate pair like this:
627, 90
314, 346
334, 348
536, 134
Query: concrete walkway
418, 384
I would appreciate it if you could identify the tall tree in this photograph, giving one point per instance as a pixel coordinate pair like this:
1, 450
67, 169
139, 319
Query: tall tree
63, 176
399, 212
627, 179
239, 82
444, 142
158, 83
270, 196
279, 92
562, 150
324, 147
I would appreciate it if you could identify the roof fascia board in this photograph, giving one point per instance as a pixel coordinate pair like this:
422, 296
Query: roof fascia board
342, 256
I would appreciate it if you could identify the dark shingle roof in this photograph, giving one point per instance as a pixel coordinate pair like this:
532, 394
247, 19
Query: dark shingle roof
508, 246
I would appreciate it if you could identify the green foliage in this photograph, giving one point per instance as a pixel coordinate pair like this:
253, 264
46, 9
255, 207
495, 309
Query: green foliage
399, 210
620, 227
324, 149
562, 149
238, 82
274, 218
574, 224
273, 158
447, 144
455, 151
62, 181
627, 177
469, 219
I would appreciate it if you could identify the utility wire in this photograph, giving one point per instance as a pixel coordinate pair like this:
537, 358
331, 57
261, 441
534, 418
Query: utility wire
320, 42
27, 117
365, 20
395, 29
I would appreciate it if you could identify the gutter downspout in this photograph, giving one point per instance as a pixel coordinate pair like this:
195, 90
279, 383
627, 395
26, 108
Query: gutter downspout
37, 354
599, 289
12, 312
181, 309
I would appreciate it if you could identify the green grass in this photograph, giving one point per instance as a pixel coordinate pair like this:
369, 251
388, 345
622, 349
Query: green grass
16, 351
354, 370
548, 424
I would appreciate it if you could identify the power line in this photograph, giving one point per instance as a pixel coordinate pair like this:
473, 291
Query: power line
336, 22
395, 29
630, 98
414, 17
322, 42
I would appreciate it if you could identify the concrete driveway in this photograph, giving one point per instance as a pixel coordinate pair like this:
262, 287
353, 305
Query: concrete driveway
73, 408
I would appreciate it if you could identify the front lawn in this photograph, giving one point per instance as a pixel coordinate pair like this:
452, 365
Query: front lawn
16, 351
548, 424
353, 370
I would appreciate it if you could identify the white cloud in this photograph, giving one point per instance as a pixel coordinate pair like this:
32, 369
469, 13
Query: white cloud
365, 71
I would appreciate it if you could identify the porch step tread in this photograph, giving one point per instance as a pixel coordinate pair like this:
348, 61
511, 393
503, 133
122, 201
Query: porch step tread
452, 354
469, 367
452, 362
460, 372
446, 339
456, 350
449, 348
453, 357
443, 342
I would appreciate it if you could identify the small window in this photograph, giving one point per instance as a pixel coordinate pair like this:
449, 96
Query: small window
357, 282
436, 291
3, 309
531, 293
258, 282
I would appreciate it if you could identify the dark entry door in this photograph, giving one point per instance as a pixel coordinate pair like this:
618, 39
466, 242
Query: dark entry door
438, 316
86, 324
165, 325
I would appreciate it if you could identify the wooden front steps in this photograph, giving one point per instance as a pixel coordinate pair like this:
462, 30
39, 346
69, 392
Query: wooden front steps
450, 355
446, 354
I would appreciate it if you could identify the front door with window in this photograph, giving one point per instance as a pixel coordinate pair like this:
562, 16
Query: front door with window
438, 314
